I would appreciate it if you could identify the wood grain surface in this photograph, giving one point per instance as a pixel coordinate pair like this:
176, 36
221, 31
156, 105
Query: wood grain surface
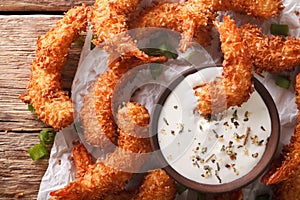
19, 128
40, 5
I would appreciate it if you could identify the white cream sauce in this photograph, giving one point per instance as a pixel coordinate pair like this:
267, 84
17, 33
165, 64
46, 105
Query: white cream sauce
199, 149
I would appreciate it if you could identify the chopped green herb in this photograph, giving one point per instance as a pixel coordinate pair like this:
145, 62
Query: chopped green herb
161, 52
156, 70
181, 189
38, 151
31, 108
279, 29
47, 136
92, 44
201, 196
262, 197
282, 82
79, 41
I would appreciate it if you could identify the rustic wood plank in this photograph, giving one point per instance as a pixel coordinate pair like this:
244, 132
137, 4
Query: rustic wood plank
19, 128
17, 50
40, 5
19, 174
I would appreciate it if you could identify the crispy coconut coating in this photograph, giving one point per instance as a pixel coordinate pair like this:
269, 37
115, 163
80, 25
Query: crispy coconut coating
81, 158
289, 167
95, 133
53, 105
156, 185
109, 20
193, 19
289, 189
124, 195
235, 86
96, 115
106, 177
270, 53
263, 9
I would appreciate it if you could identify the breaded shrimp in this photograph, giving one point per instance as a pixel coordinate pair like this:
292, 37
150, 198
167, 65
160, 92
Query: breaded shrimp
235, 85
109, 20
96, 114
289, 189
270, 53
81, 158
291, 162
108, 176
263, 9
156, 185
53, 105
193, 19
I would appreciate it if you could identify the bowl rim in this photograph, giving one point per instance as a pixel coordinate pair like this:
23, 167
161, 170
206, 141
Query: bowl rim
257, 171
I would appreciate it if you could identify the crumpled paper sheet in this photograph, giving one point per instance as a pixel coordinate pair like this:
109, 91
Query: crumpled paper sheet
61, 169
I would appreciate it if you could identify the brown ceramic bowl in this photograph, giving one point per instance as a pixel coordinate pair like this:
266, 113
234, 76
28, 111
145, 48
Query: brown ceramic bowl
179, 169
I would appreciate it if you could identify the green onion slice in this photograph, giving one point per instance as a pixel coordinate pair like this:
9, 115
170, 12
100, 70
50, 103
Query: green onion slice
38, 151
156, 70
263, 197
47, 136
31, 108
92, 44
279, 29
282, 82
79, 41
181, 189
201, 196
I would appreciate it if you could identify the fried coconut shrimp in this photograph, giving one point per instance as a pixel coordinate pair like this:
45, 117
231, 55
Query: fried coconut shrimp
109, 20
81, 158
193, 19
270, 53
235, 85
156, 184
263, 9
289, 168
289, 189
109, 176
53, 105
97, 118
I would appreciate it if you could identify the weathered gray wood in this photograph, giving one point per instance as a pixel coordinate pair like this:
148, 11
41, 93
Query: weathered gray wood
40, 5
19, 128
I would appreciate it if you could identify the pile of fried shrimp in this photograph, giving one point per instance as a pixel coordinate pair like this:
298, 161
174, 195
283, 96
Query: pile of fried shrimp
246, 50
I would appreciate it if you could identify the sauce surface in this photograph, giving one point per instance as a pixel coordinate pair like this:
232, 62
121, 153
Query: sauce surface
217, 150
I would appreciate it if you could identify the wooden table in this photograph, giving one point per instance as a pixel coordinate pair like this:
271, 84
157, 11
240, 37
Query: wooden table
21, 22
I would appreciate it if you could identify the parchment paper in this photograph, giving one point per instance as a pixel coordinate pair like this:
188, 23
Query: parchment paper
61, 170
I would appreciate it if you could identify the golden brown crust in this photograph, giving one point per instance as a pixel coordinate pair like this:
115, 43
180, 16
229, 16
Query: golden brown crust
97, 118
263, 9
156, 185
109, 20
270, 53
193, 19
53, 105
81, 158
105, 177
289, 189
235, 85
291, 162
